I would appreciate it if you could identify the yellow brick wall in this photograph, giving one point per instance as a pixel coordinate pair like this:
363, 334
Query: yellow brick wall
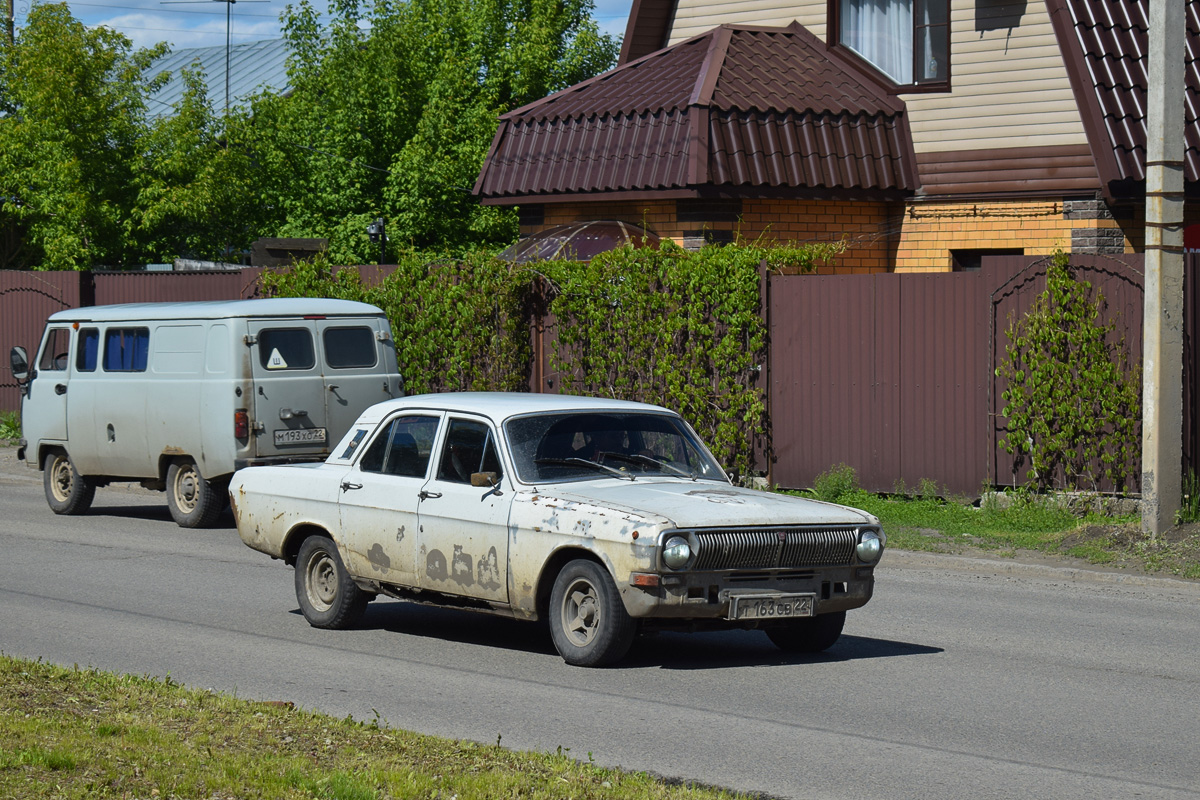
916, 236
868, 228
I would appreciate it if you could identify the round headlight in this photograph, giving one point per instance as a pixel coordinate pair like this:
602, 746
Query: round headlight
870, 547
677, 552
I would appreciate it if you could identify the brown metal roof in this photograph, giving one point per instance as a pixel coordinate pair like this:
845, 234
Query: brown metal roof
741, 109
1105, 46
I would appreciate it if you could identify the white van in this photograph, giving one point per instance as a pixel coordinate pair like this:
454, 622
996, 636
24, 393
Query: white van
179, 395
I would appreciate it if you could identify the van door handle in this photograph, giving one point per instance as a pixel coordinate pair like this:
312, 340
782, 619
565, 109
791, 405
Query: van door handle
60, 388
347, 486
424, 495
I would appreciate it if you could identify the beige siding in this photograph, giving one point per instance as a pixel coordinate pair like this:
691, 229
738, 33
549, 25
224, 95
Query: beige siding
693, 17
1010, 87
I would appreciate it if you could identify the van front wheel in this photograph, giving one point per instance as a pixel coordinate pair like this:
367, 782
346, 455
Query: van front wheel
67, 492
194, 502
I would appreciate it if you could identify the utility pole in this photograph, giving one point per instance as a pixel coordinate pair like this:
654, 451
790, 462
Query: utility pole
10, 19
1162, 355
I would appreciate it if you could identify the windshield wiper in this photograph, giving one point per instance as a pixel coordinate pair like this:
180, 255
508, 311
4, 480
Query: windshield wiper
583, 462
638, 458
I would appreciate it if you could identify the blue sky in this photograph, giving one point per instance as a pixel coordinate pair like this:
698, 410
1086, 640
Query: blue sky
202, 23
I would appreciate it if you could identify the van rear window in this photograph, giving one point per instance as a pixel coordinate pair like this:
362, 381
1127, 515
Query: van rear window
125, 349
286, 348
349, 347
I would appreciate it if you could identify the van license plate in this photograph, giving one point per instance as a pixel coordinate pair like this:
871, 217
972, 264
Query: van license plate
300, 436
770, 606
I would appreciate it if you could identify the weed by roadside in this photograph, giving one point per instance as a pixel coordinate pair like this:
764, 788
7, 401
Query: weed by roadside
90, 734
10, 427
1049, 525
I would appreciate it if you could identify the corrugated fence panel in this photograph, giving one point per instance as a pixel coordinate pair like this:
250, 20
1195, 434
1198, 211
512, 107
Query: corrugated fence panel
823, 377
26, 299
170, 287
943, 393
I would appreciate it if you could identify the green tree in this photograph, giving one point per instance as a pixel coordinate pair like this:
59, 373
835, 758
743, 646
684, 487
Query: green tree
1073, 401
87, 178
394, 105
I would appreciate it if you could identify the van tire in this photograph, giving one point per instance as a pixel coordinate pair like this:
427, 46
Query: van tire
67, 492
194, 501
329, 598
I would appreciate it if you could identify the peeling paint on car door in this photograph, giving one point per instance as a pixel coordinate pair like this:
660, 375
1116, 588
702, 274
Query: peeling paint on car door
463, 533
378, 498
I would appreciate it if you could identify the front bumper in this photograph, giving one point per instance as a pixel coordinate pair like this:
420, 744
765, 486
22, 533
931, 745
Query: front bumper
702, 599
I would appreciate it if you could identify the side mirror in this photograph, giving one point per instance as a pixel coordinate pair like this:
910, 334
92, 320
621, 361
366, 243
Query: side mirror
19, 361
484, 479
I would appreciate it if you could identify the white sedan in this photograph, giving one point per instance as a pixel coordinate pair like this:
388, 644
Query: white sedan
601, 516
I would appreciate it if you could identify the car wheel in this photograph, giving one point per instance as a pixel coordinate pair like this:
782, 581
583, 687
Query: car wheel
811, 635
194, 501
328, 597
67, 492
588, 622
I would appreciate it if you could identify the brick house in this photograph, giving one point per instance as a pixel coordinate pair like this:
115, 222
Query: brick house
927, 133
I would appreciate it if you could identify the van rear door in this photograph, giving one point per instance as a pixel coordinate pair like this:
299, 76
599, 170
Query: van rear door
289, 402
359, 368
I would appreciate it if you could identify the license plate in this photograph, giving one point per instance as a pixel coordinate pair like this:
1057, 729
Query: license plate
300, 436
770, 606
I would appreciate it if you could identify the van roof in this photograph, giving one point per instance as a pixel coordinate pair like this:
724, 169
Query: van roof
218, 309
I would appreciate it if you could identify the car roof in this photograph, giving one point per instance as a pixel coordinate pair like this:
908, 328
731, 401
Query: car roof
500, 406
218, 309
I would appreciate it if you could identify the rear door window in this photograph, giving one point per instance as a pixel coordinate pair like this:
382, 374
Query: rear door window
402, 447
286, 349
347, 348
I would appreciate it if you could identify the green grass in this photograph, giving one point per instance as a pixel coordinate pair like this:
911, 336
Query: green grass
81, 733
920, 519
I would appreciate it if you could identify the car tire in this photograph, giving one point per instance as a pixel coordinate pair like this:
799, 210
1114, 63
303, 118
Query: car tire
588, 621
328, 597
194, 501
67, 492
812, 635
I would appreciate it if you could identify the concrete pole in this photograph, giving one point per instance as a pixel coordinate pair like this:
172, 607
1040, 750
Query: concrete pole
1162, 360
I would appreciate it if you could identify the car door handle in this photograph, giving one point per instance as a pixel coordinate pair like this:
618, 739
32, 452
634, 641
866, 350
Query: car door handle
424, 495
347, 486
60, 388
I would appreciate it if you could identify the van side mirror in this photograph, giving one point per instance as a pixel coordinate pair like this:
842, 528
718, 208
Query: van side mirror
19, 361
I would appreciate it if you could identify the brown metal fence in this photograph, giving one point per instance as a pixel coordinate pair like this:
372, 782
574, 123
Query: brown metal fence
891, 374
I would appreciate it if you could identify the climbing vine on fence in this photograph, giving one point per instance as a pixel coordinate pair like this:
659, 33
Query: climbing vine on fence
669, 326
1073, 400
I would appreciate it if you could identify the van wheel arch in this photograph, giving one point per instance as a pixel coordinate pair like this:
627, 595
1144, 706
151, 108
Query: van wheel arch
67, 492
194, 501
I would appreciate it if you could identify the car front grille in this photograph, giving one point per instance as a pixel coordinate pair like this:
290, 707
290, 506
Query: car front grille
775, 548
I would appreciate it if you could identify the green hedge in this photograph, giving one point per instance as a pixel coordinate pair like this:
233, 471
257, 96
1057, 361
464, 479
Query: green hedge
679, 328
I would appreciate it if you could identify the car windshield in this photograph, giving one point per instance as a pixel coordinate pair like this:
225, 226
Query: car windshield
573, 446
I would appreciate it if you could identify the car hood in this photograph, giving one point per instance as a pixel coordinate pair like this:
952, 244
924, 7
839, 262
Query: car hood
705, 504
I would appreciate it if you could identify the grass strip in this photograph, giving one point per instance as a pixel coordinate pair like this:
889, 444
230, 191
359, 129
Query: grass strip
82, 733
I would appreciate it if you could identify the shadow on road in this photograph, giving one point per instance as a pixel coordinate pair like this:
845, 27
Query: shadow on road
666, 650
154, 512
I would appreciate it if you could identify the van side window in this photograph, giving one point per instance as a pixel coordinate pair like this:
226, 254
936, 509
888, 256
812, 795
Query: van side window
89, 350
56, 351
402, 447
125, 349
349, 347
286, 348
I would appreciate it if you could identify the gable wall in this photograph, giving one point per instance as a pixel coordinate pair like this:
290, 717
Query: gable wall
1009, 85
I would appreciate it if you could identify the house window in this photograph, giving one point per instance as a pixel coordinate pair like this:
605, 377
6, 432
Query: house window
906, 40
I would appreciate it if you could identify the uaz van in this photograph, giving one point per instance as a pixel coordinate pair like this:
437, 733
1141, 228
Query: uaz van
179, 395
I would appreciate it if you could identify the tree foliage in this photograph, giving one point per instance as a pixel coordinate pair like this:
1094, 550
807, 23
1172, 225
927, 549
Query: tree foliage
394, 105
87, 176
1073, 401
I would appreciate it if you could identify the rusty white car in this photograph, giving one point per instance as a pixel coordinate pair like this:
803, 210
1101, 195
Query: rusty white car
601, 516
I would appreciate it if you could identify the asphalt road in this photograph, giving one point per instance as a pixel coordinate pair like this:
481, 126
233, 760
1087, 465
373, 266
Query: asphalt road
961, 679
